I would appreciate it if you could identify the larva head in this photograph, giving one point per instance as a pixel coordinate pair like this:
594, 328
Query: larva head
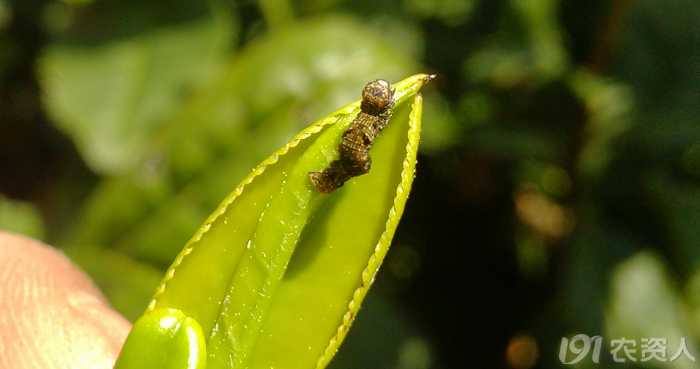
377, 97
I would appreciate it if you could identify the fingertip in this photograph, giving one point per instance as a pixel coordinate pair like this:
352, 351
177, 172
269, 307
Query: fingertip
51, 314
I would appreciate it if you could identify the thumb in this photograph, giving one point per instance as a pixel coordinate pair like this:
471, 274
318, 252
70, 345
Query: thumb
51, 314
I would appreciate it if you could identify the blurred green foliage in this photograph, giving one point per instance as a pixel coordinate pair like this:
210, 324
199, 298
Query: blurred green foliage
557, 191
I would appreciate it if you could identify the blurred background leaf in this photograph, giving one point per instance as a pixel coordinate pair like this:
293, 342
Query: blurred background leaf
558, 187
109, 98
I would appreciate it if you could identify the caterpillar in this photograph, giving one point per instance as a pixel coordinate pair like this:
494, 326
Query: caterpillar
375, 113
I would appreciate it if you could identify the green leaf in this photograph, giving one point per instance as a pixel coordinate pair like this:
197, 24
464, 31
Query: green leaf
110, 98
20, 217
165, 339
270, 91
276, 275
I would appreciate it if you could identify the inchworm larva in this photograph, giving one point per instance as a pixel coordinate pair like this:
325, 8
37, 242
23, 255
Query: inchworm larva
375, 112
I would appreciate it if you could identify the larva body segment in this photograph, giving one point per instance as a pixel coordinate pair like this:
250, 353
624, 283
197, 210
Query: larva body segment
375, 113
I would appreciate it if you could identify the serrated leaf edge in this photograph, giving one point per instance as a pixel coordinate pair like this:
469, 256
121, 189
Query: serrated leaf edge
382, 247
271, 160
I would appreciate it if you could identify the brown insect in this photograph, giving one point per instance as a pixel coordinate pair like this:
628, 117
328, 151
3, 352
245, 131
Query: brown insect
375, 112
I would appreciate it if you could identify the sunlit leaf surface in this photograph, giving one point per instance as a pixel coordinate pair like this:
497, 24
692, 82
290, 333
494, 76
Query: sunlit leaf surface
276, 275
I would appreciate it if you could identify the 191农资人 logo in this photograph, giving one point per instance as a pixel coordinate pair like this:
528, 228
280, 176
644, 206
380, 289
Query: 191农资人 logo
652, 348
